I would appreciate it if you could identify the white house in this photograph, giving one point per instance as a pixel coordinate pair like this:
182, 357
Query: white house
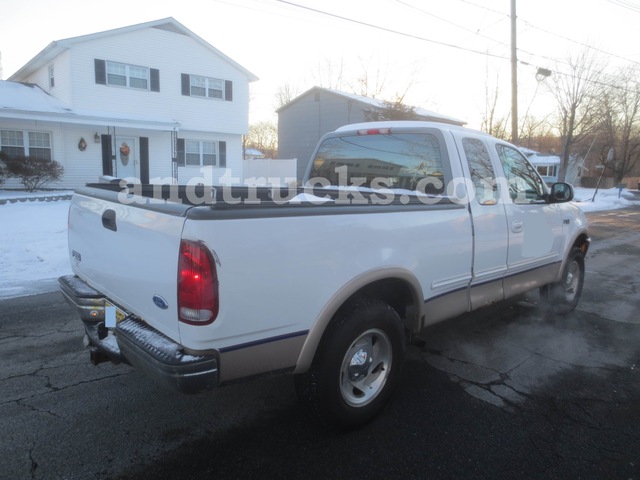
548, 166
152, 101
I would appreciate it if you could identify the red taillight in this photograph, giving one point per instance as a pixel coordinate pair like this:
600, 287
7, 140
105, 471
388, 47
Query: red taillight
197, 284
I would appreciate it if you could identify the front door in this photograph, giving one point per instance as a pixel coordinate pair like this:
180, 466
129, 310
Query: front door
535, 226
126, 160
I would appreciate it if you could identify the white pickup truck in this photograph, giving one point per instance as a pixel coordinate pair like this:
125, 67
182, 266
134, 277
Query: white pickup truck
398, 225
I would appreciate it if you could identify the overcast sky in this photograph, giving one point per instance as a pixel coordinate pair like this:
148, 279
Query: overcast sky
447, 53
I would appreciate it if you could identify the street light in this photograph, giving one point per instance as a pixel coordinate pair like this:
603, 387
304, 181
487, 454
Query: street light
542, 73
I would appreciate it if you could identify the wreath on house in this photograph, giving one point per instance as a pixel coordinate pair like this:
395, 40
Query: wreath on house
124, 153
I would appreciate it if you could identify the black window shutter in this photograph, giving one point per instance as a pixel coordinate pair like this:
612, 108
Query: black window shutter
186, 84
101, 71
180, 151
144, 160
228, 90
107, 165
154, 76
222, 150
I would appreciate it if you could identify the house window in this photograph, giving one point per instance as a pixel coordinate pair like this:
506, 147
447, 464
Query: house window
12, 143
52, 79
39, 145
201, 153
17, 143
207, 87
124, 75
127, 75
547, 170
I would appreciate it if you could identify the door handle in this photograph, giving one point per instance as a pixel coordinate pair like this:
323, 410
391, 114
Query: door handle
517, 226
109, 220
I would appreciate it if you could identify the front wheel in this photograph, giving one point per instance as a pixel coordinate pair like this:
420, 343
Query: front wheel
356, 367
563, 296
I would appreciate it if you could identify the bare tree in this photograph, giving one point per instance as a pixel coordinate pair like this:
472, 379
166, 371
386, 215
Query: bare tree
330, 74
577, 94
369, 83
535, 133
621, 121
492, 123
263, 136
285, 94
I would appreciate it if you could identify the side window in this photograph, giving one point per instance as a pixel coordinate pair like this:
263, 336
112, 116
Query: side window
406, 161
525, 185
52, 77
482, 173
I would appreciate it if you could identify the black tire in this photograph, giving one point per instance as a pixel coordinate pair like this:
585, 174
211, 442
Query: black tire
357, 365
563, 296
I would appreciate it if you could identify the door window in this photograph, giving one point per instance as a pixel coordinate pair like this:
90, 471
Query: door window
482, 174
525, 185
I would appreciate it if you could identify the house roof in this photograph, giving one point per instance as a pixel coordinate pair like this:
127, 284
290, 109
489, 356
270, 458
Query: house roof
169, 24
28, 97
537, 158
375, 103
28, 101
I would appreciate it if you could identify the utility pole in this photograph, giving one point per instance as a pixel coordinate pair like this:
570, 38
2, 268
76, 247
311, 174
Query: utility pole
514, 76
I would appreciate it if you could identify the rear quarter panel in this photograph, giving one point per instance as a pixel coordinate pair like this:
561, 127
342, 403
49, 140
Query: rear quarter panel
277, 274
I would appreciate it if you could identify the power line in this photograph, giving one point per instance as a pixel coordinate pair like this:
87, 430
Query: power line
622, 3
626, 4
476, 33
470, 50
390, 30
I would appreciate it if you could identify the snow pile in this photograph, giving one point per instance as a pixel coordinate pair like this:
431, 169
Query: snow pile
608, 199
33, 236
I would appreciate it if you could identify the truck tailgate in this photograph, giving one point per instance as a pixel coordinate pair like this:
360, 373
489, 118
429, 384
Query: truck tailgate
128, 250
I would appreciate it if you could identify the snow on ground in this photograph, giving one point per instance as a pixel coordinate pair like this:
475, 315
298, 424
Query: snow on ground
33, 246
33, 237
608, 199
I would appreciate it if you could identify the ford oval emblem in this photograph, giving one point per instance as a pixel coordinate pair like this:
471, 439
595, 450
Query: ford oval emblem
160, 302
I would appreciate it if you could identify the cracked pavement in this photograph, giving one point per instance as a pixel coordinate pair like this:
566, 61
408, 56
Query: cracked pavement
507, 391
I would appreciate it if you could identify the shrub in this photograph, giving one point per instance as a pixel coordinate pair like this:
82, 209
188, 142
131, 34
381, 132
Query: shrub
34, 172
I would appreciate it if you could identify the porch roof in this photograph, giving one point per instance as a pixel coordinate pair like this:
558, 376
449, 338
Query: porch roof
25, 101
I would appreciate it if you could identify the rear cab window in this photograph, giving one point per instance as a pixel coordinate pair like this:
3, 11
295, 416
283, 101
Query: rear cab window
412, 163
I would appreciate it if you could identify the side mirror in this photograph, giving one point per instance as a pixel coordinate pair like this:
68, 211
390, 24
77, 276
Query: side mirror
561, 193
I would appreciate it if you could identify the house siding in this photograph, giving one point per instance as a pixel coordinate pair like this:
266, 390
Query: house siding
177, 54
302, 124
62, 69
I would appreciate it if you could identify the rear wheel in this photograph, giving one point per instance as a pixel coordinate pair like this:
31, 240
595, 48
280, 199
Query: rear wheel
356, 367
563, 296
